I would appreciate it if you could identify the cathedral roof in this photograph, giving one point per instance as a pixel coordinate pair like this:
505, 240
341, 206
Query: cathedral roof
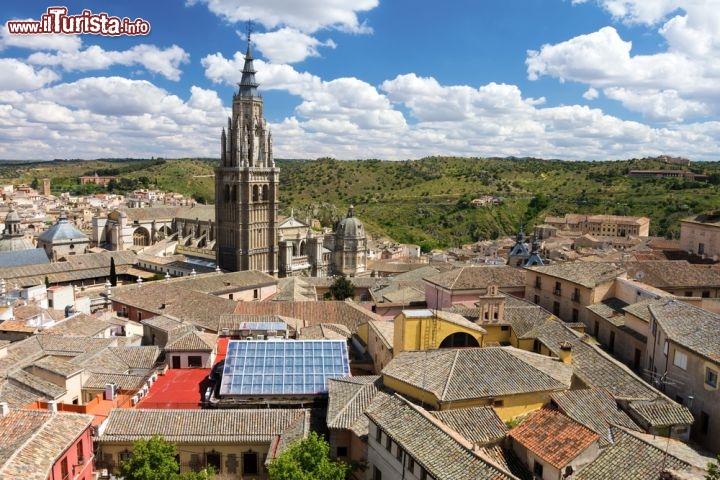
63, 230
350, 226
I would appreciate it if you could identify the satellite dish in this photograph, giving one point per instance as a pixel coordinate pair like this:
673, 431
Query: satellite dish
639, 275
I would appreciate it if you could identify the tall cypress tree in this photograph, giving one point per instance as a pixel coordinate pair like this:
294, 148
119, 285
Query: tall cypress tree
113, 275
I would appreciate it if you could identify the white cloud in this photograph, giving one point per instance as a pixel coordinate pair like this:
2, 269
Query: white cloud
17, 75
54, 42
591, 94
288, 45
306, 16
671, 85
166, 61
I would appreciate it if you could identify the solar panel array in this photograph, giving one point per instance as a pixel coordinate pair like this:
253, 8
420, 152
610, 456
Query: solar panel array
290, 367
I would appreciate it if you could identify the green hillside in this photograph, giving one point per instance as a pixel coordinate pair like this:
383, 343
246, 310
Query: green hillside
426, 201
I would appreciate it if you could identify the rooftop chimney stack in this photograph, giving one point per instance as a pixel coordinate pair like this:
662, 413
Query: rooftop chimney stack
566, 352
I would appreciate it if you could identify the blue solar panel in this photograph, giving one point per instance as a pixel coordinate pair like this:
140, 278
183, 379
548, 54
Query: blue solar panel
284, 367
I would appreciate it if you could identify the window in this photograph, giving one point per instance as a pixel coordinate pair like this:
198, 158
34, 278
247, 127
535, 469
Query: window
537, 282
701, 248
255, 294
79, 452
410, 464
378, 435
611, 344
194, 361
688, 293
505, 328
680, 360
341, 452
399, 453
536, 299
388, 443
711, 377
665, 348
576, 295
556, 291
538, 469
377, 474
575, 315
556, 309
64, 472
124, 456
706, 294
250, 463
423, 474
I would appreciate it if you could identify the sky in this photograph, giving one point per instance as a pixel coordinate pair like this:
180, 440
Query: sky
361, 79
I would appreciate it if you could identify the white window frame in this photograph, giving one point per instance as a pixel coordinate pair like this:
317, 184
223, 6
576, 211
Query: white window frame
680, 360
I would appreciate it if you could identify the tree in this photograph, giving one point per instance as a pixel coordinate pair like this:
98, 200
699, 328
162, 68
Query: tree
113, 274
154, 459
341, 289
713, 469
308, 459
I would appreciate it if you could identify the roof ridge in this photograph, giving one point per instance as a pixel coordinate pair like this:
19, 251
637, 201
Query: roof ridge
450, 375
453, 434
352, 399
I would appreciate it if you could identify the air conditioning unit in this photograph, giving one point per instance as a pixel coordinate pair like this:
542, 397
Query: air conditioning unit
225, 332
261, 337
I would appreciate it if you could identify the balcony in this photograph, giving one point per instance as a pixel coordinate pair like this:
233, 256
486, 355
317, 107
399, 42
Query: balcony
556, 291
575, 297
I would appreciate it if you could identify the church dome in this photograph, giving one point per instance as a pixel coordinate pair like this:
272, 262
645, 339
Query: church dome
13, 239
62, 231
350, 226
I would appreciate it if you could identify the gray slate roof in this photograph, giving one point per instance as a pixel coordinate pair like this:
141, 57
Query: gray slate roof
469, 373
443, 455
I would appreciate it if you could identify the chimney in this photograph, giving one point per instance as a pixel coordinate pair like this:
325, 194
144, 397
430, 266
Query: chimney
4, 409
52, 406
566, 352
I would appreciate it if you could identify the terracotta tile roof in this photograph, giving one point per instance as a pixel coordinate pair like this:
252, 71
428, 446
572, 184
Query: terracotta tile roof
441, 452
593, 408
137, 357
123, 381
19, 396
474, 277
453, 374
172, 299
198, 426
674, 274
328, 331
19, 326
385, 331
479, 425
587, 274
40, 439
37, 384
637, 458
80, 324
219, 283
75, 269
193, 341
659, 413
162, 322
26, 311
693, 328
311, 313
553, 437
57, 365
349, 398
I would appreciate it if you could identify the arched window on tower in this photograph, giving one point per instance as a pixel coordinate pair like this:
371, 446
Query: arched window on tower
227, 193
265, 193
234, 194
302, 249
256, 193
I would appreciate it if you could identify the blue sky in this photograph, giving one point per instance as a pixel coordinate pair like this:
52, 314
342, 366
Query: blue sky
388, 79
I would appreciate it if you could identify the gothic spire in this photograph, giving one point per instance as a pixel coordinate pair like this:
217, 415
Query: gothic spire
248, 84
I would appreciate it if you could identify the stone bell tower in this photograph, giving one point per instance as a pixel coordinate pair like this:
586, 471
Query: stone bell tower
246, 184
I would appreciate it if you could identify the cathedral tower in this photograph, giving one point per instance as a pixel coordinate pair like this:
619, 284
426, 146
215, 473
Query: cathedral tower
246, 184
